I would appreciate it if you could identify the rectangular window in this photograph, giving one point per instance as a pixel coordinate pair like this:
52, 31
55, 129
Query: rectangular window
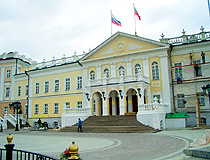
19, 91
157, 97
79, 82
8, 73
5, 110
68, 84
26, 90
46, 87
45, 108
37, 88
79, 104
7, 92
36, 109
26, 109
56, 85
181, 100
67, 104
198, 70
201, 99
178, 70
56, 108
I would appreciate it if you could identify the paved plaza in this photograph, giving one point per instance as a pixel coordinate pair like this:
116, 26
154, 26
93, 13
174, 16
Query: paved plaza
106, 146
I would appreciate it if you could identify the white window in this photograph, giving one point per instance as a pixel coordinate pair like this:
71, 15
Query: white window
8, 73
137, 69
56, 85
45, 108
7, 92
158, 98
56, 108
198, 70
5, 110
92, 75
181, 100
178, 70
79, 104
36, 109
46, 86
106, 73
19, 91
201, 99
26, 109
121, 71
68, 84
67, 104
79, 82
37, 88
155, 71
26, 90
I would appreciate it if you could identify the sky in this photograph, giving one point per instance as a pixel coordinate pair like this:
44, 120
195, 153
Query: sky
43, 29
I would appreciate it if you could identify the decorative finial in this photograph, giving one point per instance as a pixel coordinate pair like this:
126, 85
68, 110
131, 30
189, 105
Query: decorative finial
9, 138
75, 52
183, 32
162, 35
73, 151
202, 28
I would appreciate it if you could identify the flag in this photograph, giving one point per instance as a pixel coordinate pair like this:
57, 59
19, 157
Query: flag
208, 6
115, 21
136, 13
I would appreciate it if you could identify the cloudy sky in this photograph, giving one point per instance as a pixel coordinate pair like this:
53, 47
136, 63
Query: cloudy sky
46, 28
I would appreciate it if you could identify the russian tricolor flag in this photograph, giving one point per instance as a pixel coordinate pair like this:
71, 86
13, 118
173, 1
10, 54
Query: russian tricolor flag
115, 21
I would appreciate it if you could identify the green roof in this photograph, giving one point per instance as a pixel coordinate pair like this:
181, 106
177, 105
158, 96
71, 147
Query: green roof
178, 115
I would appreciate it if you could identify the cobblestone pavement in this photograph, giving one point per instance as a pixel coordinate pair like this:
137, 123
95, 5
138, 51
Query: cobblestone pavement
103, 146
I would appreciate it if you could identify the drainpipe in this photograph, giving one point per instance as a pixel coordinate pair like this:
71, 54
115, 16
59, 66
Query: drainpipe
28, 92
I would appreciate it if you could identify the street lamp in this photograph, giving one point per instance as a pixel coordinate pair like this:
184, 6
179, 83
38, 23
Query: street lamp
207, 88
16, 105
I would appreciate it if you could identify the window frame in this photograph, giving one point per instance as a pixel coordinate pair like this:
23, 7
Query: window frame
79, 104
37, 86
36, 109
67, 106
46, 86
5, 110
178, 71
180, 100
19, 91
46, 108
7, 92
121, 71
139, 69
106, 72
79, 82
8, 74
26, 90
67, 84
56, 108
56, 85
92, 75
155, 70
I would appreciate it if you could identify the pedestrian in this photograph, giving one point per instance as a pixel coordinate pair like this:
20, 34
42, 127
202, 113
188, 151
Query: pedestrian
79, 125
39, 122
1, 125
203, 56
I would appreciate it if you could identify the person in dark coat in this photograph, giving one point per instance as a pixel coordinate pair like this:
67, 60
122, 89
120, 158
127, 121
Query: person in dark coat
39, 122
79, 125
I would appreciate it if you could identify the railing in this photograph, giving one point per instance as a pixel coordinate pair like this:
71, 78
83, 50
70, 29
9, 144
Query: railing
80, 111
187, 38
120, 79
153, 107
11, 119
24, 155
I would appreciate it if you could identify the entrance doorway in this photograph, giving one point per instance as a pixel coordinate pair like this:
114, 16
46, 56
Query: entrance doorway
114, 108
132, 101
97, 105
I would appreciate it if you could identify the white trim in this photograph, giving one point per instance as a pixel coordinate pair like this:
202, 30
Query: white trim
55, 86
158, 70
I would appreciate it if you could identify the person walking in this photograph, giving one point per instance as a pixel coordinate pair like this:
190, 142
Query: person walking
79, 125
39, 122
1, 125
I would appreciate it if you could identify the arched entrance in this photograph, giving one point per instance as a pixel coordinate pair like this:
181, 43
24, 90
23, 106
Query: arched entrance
97, 105
114, 108
132, 101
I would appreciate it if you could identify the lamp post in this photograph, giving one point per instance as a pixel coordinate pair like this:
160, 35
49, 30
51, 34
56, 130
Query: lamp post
16, 105
207, 88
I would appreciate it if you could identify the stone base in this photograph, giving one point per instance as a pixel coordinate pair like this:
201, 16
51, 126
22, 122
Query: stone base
201, 152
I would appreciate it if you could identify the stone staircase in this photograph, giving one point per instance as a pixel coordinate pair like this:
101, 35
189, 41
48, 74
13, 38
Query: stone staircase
111, 124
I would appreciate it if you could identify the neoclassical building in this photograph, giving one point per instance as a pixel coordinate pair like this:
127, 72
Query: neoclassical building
126, 74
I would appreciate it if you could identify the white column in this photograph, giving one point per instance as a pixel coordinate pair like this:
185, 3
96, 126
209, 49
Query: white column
146, 67
165, 80
113, 69
98, 70
12, 90
122, 103
129, 68
2, 84
105, 113
30, 97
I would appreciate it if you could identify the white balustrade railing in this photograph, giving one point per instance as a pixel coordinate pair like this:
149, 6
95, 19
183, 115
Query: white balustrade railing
153, 107
10, 118
77, 111
121, 79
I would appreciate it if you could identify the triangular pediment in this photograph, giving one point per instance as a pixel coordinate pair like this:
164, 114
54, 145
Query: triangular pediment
121, 44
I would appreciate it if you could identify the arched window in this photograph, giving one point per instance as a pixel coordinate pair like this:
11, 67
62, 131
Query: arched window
155, 71
92, 75
137, 69
121, 71
106, 73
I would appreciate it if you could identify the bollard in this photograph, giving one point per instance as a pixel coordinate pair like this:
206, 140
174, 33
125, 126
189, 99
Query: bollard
9, 147
73, 151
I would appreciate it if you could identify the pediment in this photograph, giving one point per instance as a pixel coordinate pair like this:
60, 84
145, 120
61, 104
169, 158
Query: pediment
120, 44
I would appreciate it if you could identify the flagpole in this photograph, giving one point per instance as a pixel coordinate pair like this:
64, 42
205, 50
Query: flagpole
134, 19
111, 22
